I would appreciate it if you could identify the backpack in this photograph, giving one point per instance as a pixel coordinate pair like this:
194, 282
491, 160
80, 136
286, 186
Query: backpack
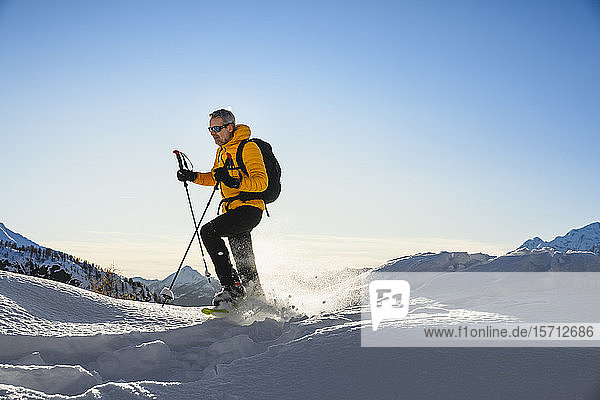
271, 193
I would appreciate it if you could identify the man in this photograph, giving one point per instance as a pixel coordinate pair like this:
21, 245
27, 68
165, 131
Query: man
239, 217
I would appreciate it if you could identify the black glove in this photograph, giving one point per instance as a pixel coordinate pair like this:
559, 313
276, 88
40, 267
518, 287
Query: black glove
186, 175
221, 175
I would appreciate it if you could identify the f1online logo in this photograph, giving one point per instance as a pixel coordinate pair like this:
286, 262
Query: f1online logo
389, 300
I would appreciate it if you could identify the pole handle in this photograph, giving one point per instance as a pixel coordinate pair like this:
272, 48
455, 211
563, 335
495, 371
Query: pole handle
229, 162
179, 160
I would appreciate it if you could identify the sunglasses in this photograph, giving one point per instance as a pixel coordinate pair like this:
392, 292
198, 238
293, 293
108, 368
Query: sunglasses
217, 129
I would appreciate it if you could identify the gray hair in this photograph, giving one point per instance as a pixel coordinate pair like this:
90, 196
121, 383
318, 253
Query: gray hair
226, 115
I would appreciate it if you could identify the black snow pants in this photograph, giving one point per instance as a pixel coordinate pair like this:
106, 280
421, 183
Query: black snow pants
236, 225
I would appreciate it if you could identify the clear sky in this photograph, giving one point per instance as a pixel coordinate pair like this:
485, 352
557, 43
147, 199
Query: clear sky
401, 126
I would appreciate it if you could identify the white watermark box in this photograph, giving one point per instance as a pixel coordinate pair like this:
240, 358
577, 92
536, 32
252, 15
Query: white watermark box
481, 309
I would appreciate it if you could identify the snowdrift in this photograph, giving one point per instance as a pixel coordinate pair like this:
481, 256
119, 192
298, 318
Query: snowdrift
61, 342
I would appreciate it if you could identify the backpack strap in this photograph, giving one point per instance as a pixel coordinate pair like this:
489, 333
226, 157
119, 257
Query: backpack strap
241, 197
239, 158
242, 167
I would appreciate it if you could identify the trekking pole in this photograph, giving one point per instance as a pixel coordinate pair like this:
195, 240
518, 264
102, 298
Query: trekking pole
181, 160
167, 293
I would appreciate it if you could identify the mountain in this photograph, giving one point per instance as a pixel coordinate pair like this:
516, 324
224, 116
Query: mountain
186, 275
578, 250
522, 260
190, 289
435, 262
541, 260
21, 255
582, 239
8, 236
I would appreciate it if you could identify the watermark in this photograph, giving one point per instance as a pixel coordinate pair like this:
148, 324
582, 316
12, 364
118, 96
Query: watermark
547, 331
481, 309
389, 300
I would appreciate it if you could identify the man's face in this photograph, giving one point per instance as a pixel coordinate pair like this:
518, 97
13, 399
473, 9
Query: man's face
224, 135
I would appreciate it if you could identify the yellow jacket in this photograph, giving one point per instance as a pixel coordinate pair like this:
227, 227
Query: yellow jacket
256, 181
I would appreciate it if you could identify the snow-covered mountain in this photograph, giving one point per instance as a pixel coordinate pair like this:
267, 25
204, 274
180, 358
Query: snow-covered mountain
8, 236
190, 289
581, 239
578, 250
524, 260
19, 254
435, 262
186, 275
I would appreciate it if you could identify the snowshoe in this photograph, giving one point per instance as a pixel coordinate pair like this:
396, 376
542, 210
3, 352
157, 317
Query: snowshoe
229, 295
215, 312
254, 290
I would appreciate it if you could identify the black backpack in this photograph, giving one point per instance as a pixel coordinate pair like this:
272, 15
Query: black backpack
271, 193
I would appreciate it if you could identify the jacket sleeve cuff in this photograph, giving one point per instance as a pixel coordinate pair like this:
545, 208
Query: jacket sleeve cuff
205, 179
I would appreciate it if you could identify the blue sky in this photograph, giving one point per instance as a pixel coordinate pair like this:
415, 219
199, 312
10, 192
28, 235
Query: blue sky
401, 126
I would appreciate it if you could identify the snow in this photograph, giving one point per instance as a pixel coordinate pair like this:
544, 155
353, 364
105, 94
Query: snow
67, 379
138, 361
186, 275
536, 260
586, 238
34, 307
444, 261
6, 235
31, 359
62, 342
58, 266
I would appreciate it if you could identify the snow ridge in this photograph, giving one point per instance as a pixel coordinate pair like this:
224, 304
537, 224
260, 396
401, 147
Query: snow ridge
525, 260
586, 238
6, 235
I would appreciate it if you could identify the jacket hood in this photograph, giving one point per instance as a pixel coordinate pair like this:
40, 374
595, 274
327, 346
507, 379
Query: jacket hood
240, 133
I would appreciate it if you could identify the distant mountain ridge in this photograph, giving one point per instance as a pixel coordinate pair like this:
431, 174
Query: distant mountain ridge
522, 260
186, 275
21, 255
577, 251
586, 238
190, 289
8, 236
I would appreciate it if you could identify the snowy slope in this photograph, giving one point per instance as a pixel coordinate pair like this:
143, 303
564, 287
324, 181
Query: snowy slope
61, 342
8, 236
582, 239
